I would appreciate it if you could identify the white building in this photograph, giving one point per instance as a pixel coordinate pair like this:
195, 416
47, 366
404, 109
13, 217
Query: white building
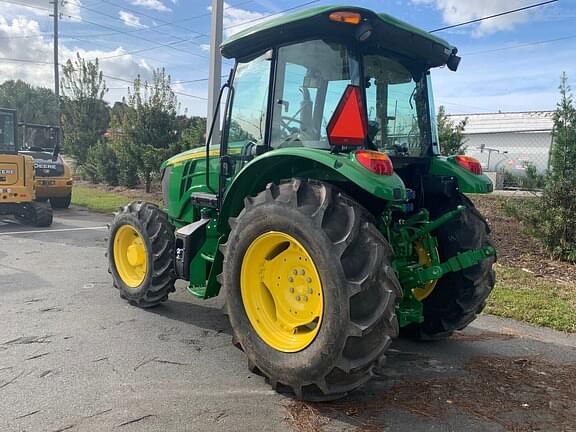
509, 140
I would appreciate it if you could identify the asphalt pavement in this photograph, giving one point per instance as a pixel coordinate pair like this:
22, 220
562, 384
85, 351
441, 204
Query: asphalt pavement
74, 356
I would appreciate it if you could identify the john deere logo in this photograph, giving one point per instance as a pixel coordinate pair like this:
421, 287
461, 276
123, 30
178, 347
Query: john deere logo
7, 171
44, 166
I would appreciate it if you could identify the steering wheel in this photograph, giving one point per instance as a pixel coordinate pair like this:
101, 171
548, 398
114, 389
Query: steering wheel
285, 124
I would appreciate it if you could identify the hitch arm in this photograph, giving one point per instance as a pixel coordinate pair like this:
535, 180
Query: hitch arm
415, 275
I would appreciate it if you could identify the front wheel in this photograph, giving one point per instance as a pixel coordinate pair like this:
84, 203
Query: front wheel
35, 213
310, 291
141, 253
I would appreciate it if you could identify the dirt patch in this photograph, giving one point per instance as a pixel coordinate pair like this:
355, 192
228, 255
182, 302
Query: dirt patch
481, 337
516, 248
519, 394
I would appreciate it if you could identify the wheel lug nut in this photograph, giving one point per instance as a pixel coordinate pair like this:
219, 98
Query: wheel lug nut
310, 291
305, 298
291, 289
297, 298
294, 272
309, 280
302, 272
290, 279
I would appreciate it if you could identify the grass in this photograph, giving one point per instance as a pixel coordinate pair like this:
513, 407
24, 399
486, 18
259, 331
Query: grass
524, 297
100, 200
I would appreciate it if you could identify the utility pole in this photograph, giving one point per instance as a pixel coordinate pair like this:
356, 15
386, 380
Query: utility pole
56, 16
215, 69
56, 66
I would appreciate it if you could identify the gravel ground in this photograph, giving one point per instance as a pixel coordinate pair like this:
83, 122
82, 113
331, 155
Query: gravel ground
74, 356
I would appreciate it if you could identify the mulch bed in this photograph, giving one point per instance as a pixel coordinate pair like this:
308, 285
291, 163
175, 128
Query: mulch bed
519, 394
517, 249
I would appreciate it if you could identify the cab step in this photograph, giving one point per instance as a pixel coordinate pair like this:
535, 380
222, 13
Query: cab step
204, 200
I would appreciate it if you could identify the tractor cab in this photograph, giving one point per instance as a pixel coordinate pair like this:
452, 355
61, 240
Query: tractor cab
347, 71
54, 177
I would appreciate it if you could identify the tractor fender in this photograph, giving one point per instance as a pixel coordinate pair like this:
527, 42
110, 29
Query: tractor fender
295, 162
309, 163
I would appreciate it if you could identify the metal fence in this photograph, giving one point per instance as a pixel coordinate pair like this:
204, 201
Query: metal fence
513, 159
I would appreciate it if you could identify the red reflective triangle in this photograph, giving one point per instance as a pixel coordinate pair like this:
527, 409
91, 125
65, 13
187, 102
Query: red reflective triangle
348, 125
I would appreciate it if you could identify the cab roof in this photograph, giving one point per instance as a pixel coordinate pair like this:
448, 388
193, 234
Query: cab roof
387, 31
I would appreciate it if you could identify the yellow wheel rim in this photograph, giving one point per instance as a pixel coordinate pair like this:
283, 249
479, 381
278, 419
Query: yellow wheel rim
424, 259
130, 256
281, 291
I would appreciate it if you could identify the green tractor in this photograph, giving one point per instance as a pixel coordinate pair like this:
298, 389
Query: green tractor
325, 216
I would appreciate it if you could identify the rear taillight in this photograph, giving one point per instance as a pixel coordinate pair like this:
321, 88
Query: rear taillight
376, 162
471, 164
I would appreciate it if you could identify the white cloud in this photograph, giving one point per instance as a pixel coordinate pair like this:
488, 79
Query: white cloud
457, 11
205, 47
235, 19
152, 4
70, 10
22, 39
130, 20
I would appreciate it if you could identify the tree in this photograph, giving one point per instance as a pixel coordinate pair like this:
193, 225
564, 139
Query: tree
85, 115
192, 131
145, 132
101, 164
34, 104
450, 135
555, 223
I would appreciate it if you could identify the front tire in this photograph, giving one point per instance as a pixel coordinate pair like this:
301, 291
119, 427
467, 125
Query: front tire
35, 213
141, 253
355, 281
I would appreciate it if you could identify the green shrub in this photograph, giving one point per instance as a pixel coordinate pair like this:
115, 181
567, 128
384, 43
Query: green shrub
553, 217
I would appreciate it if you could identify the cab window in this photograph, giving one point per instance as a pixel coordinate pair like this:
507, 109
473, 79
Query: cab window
311, 78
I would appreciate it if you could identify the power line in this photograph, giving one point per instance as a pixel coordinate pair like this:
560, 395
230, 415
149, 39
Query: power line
140, 38
493, 16
26, 5
264, 17
140, 13
165, 24
522, 45
116, 31
122, 21
175, 92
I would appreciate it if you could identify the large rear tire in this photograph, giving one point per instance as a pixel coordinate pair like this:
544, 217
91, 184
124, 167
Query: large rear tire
458, 297
350, 266
141, 254
61, 202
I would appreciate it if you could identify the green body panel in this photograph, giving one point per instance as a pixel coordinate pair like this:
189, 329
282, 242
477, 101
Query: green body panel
467, 182
303, 162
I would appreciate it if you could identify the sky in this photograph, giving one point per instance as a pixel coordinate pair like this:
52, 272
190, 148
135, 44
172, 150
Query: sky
510, 63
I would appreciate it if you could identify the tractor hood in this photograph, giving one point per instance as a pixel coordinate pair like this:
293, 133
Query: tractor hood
388, 32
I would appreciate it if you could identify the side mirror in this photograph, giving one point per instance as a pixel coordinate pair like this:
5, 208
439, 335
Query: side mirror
226, 166
55, 152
